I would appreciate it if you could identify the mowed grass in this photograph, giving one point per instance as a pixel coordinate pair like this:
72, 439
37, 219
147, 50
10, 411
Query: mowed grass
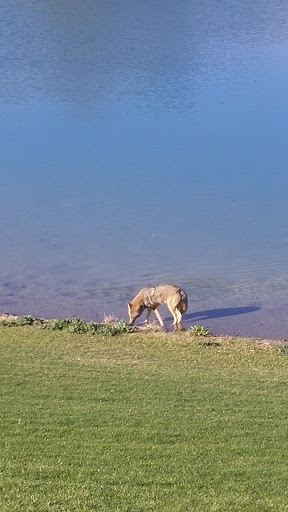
141, 422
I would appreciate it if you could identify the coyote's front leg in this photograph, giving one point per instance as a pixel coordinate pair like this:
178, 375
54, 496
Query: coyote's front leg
157, 313
147, 320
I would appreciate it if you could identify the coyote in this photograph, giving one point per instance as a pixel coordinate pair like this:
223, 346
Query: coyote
150, 298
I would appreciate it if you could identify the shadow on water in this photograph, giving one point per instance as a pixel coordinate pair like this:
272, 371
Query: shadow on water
218, 313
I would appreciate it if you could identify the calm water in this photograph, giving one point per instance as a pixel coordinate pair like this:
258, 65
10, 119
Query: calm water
145, 142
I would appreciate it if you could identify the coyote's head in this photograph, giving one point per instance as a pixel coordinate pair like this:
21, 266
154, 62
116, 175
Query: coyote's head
134, 311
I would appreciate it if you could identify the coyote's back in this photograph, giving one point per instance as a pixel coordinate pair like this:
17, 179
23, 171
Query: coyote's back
169, 292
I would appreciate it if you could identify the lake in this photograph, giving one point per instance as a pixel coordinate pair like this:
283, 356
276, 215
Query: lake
142, 143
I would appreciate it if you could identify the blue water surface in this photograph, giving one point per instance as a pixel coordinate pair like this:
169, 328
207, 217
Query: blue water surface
145, 142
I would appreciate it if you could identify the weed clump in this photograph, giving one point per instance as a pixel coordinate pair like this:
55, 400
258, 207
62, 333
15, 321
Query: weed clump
199, 330
75, 325
16, 321
78, 326
283, 349
209, 343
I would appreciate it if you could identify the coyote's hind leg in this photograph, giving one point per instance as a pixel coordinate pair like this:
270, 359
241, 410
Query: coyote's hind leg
177, 317
179, 320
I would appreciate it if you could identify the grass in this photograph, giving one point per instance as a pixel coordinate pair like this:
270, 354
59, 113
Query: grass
141, 422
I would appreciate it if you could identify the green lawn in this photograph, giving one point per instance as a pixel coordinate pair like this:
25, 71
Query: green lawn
141, 423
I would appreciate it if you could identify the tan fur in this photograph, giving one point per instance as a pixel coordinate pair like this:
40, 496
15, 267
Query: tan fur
150, 298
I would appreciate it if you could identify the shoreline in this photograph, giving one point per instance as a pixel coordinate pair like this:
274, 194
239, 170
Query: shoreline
154, 329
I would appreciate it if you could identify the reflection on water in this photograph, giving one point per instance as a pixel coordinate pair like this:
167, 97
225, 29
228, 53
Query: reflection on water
152, 52
142, 143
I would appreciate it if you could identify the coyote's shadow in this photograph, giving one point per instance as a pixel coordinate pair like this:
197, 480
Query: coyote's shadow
209, 314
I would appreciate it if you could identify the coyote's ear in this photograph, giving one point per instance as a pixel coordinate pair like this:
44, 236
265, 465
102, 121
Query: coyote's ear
129, 304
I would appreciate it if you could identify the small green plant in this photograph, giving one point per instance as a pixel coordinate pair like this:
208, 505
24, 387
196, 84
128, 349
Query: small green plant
199, 330
122, 327
78, 326
25, 320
